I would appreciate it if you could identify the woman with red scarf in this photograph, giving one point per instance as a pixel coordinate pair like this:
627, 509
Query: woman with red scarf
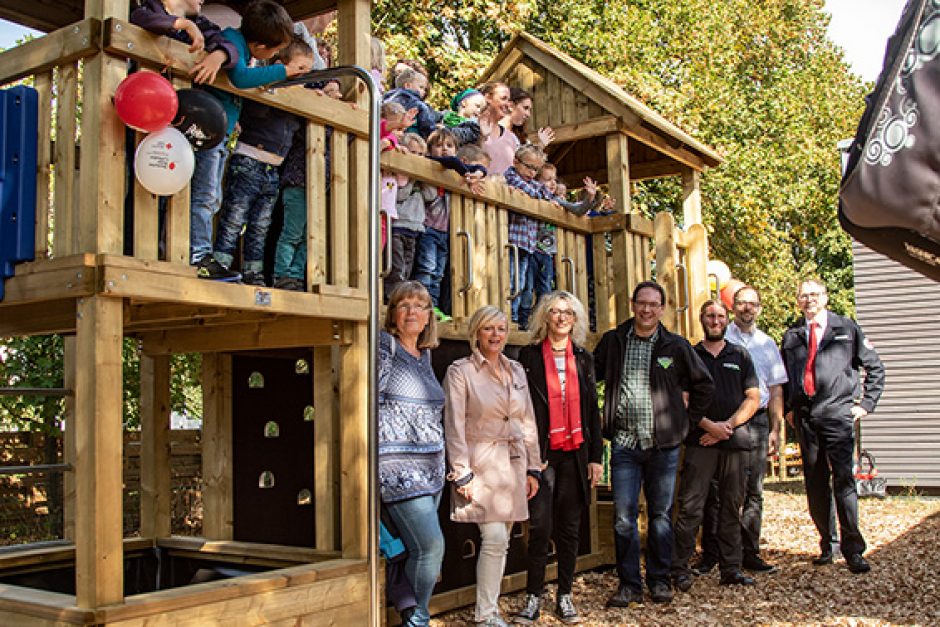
564, 397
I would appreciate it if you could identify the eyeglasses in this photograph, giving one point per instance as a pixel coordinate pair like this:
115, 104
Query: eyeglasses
533, 168
409, 307
561, 313
808, 295
645, 304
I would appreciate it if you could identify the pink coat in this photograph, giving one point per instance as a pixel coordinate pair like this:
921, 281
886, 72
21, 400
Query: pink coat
490, 430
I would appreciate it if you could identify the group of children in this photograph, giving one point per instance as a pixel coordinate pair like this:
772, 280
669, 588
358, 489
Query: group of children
482, 135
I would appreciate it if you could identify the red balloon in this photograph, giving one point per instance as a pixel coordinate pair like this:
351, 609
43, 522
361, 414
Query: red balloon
727, 292
146, 101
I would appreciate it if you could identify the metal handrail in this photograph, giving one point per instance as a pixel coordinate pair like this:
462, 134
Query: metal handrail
388, 248
514, 289
685, 286
466, 288
571, 272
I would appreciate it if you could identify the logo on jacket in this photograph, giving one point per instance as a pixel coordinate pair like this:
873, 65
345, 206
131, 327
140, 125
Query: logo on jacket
664, 362
732, 366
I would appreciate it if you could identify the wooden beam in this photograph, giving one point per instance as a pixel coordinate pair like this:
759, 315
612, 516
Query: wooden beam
98, 424
325, 427
598, 127
269, 334
655, 169
618, 179
57, 316
666, 274
68, 436
155, 489
217, 495
61, 47
673, 149
354, 33
691, 197
696, 260
354, 454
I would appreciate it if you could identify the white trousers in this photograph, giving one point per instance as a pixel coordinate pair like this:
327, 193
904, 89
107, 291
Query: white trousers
494, 544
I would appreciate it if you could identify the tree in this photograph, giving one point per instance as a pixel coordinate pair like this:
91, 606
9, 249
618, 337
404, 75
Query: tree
759, 81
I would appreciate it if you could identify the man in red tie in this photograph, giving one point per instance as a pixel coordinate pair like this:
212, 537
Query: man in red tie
823, 353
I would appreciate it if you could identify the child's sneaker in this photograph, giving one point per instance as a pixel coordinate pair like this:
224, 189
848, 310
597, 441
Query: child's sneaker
441, 316
209, 268
253, 278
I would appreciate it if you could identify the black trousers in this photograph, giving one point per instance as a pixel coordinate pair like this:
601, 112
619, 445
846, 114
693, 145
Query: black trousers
827, 446
702, 463
556, 508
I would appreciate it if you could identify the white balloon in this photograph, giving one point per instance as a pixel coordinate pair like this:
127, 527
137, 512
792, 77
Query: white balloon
720, 270
164, 162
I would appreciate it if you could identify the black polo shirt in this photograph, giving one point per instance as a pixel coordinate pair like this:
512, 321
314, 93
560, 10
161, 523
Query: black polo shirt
733, 372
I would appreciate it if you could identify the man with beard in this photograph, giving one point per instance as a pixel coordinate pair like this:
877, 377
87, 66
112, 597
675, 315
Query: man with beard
717, 447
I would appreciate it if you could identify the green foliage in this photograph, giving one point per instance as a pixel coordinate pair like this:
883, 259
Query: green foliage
759, 81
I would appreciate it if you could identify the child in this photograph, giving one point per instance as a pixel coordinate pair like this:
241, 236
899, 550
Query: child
253, 179
377, 70
465, 109
266, 28
290, 253
410, 89
433, 246
409, 224
394, 119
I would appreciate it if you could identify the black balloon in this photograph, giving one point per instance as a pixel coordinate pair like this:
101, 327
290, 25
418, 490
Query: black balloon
200, 118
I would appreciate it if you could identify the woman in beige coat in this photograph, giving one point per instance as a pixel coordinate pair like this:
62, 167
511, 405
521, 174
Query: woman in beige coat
492, 449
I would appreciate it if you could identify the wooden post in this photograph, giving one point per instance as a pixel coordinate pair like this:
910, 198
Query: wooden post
324, 433
354, 429
217, 491
691, 197
664, 227
155, 489
696, 259
68, 443
99, 561
618, 177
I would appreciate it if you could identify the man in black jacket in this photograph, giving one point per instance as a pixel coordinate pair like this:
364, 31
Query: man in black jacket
822, 354
647, 371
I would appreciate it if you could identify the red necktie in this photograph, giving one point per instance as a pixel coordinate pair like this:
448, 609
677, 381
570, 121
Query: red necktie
809, 375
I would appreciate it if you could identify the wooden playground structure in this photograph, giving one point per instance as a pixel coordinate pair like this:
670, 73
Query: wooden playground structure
84, 284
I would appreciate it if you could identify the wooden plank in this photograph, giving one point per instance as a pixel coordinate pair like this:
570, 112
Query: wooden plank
666, 274
618, 170
493, 281
458, 255
64, 160
655, 169
662, 145
524, 76
579, 246
553, 99
146, 217
582, 107
28, 607
68, 436
358, 232
540, 96
354, 432
621, 261
503, 301
353, 20
339, 210
324, 432
61, 47
57, 316
99, 563
573, 130
691, 197
178, 218
477, 226
568, 107
602, 291
561, 266
155, 490
317, 235
195, 547
269, 334
217, 495
43, 85
696, 260
102, 164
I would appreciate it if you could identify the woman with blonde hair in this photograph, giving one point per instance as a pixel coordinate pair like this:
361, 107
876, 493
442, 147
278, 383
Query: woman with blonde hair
492, 450
561, 380
411, 438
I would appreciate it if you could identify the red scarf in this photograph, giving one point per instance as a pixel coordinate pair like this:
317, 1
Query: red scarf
564, 411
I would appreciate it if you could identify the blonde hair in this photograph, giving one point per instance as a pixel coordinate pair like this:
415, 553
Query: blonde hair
538, 322
482, 316
530, 149
412, 289
378, 54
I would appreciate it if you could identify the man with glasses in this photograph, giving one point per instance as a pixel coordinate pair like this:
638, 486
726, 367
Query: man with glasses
648, 371
764, 429
822, 354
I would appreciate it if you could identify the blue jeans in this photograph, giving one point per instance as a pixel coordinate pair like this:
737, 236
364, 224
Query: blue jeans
654, 470
430, 260
523, 286
419, 529
541, 275
290, 255
205, 199
250, 193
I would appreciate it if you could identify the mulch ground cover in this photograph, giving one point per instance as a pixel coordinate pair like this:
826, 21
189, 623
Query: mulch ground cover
903, 535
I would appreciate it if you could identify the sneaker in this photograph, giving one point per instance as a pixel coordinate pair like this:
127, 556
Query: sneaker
757, 565
661, 592
253, 278
209, 268
565, 610
530, 611
289, 283
441, 316
493, 621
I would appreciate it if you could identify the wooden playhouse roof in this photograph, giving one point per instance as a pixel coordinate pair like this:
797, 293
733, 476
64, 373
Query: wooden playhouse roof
584, 107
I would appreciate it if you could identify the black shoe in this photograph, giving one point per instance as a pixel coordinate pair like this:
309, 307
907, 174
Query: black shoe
757, 565
823, 559
682, 582
703, 567
661, 592
530, 611
736, 578
289, 283
209, 268
253, 278
625, 596
565, 610
857, 564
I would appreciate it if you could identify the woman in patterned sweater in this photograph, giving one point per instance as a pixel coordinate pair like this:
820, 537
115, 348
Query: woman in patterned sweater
411, 438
